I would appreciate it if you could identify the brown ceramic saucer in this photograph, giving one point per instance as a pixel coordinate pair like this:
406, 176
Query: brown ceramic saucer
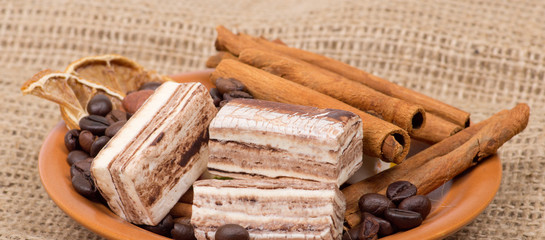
453, 207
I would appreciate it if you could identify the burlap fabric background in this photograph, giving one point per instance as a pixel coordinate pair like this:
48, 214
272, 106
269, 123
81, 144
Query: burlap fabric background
481, 56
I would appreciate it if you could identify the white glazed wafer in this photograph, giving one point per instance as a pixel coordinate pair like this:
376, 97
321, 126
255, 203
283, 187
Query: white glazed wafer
260, 139
158, 153
269, 208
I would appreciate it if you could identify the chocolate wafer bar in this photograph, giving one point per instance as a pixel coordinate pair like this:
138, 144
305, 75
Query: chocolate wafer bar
261, 139
269, 208
158, 153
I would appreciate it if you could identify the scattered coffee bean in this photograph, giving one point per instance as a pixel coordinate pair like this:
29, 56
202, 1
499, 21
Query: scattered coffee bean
81, 180
353, 233
403, 219
97, 145
76, 156
163, 228
369, 229
236, 94
227, 97
215, 94
116, 115
99, 105
135, 100
86, 139
182, 220
150, 86
183, 232
418, 203
114, 128
232, 232
82, 166
223, 102
385, 228
71, 139
375, 204
95, 124
397, 191
225, 85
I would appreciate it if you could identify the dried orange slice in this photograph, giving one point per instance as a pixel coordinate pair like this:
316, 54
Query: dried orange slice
111, 75
70, 92
114, 71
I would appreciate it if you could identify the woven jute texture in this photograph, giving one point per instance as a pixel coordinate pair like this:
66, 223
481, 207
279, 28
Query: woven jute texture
481, 56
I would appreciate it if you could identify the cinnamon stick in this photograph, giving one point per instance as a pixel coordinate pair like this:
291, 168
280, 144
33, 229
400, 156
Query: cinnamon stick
266, 86
214, 60
391, 147
236, 43
401, 113
181, 210
427, 169
435, 129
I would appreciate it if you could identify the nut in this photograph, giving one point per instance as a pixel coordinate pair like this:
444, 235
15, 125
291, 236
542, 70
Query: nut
135, 100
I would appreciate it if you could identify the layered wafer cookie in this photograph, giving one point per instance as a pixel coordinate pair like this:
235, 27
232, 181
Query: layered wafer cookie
261, 139
269, 208
158, 153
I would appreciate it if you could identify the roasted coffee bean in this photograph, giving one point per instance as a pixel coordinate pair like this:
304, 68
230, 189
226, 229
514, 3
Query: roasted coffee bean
374, 203
163, 228
76, 156
223, 102
83, 166
225, 85
236, 94
86, 139
216, 96
95, 124
227, 97
418, 203
114, 128
116, 115
182, 220
403, 219
397, 191
385, 228
71, 139
353, 233
135, 100
150, 86
99, 105
82, 182
98, 144
369, 229
183, 232
232, 232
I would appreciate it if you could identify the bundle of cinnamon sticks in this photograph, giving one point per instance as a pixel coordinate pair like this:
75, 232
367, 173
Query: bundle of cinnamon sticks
392, 114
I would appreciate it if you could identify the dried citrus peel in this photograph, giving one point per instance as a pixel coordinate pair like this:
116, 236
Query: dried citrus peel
113, 71
111, 75
54, 87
